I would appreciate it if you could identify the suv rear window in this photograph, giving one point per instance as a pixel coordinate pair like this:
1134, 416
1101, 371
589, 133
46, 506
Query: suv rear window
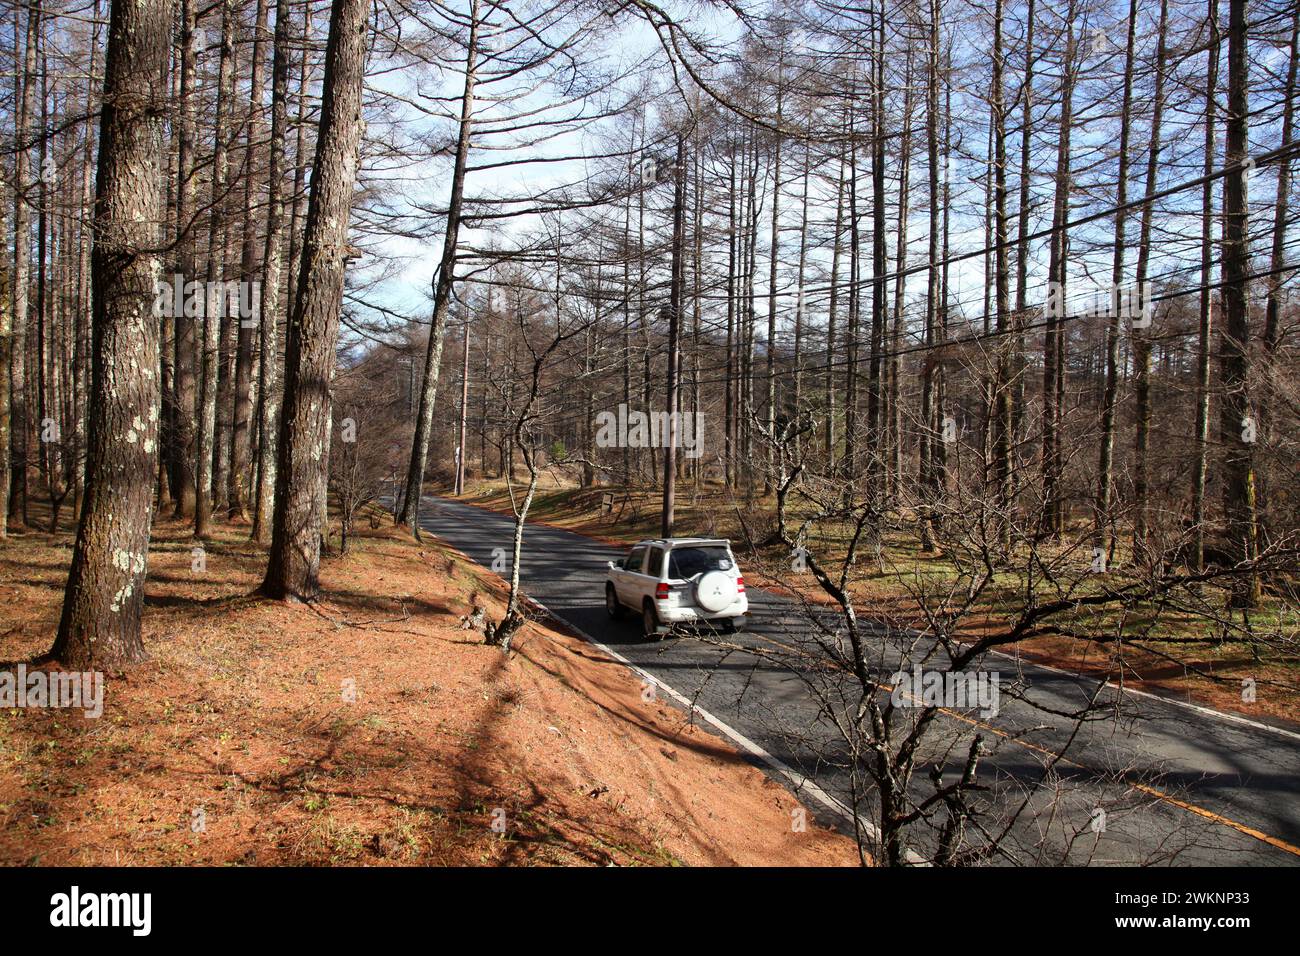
688, 562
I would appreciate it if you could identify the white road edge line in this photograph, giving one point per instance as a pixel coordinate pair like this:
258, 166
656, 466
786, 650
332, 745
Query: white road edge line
798, 780
1205, 711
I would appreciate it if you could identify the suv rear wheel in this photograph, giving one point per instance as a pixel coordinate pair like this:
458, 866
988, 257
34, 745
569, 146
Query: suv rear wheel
649, 621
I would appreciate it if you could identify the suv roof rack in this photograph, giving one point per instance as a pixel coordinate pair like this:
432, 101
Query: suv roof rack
674, 542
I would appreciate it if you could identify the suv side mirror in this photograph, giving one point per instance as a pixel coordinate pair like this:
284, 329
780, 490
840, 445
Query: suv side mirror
615, 565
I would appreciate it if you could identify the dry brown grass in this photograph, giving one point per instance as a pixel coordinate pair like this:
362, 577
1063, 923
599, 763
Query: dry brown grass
240, 714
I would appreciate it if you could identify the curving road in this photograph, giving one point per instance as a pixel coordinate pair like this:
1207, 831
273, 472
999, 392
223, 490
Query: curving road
1174, 784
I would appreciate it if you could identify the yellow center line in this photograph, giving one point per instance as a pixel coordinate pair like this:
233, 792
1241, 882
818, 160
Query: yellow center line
1144, 788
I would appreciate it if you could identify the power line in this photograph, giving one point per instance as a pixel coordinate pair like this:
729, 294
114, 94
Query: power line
759, 376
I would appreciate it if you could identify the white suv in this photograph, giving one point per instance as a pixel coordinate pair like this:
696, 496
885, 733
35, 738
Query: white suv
678, 581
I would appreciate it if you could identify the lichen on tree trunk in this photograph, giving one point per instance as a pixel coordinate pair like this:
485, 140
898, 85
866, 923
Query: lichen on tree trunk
100, 625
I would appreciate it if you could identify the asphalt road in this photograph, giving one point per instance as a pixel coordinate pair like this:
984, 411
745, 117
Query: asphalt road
1174, 785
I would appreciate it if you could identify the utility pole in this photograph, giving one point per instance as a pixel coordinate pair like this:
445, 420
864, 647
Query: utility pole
674, 330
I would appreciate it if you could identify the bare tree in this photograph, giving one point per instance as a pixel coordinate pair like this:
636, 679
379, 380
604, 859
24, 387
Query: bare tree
6, 357
1236, 422
100, 625
185, 424
301, 474
241, 432
443, 280
214, 314
272, 266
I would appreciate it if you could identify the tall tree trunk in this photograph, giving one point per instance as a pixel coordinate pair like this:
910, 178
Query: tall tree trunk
1205, 324
749, 290
832, 313
240, 443
6, 350
1026, 131
893, 404
1055, 338
272, 266
464, 418
800, 305
729, 399
1110, 397
293, 566
171, 79
931, 428
214, 313
22, 419
300, 155
48, 447
940, 481
676, 298
853, 324
219, 330
1236, 418
100, 624
1141, 340
875, 370
773, 260
697, 291
627, 303
1002, 424
442, 283
1017, 359
186, 345
1277, 263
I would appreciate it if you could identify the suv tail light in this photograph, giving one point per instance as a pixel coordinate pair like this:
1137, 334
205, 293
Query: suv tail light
740, 585
661, 591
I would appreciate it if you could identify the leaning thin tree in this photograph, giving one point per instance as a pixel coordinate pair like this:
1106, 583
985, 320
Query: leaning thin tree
100, 626
443, 281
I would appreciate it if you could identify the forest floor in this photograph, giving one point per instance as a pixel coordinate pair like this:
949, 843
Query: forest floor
368, 728
1210, 674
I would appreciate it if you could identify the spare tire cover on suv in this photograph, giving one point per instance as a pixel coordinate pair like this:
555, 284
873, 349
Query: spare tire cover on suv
715, 591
